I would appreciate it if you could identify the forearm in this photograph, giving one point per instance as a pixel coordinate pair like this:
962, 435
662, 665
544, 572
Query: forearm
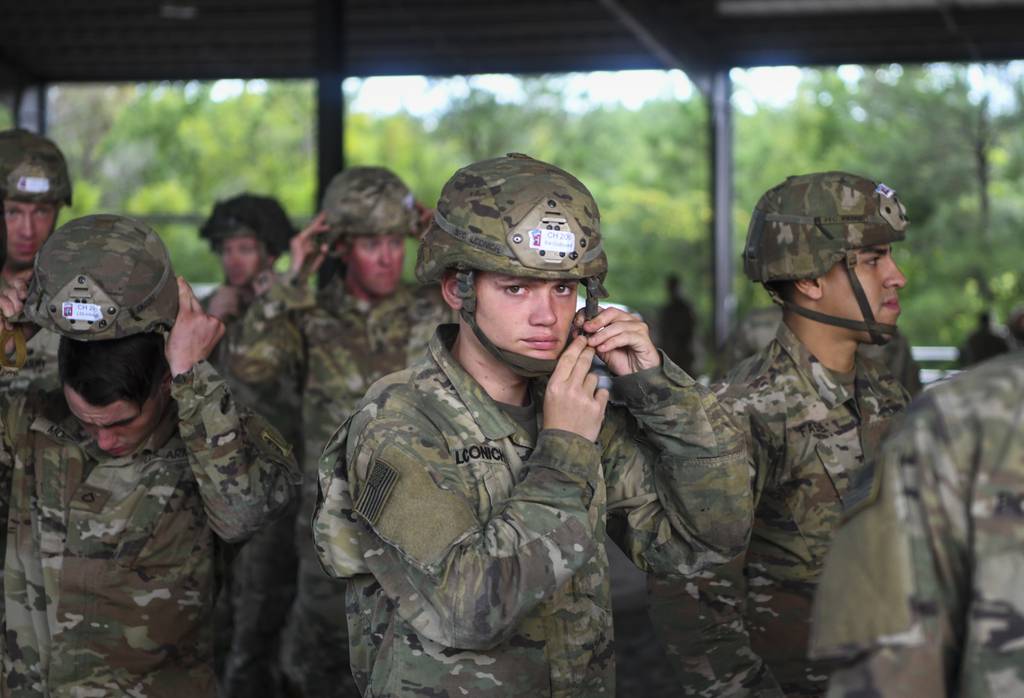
245, 472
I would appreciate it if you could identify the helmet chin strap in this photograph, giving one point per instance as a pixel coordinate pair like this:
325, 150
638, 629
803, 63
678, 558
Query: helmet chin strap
879, 332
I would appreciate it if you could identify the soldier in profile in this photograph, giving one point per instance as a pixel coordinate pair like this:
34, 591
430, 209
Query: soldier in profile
467, 501
813, 410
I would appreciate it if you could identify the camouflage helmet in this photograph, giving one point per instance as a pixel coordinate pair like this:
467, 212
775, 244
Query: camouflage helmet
801, 228
32, 168
103, 277
514, 215
261, 217
368, 201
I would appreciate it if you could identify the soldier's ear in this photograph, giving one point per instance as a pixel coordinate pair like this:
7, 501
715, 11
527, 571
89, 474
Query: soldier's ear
810, 288
450, 290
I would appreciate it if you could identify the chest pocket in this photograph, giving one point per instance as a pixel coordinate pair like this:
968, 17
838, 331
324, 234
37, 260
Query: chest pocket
135, 515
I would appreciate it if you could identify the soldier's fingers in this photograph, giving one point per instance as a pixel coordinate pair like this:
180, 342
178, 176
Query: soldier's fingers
602, 396
186, 299
606, 317
566, 362
590, 384
581, 369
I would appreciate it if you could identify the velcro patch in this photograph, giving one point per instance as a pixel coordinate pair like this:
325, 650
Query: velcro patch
274, 440
82, 311
33, 185
379, 486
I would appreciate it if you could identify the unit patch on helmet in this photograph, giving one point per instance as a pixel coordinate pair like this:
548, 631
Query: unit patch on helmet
33, 185
884, 191
89, 312
552, 240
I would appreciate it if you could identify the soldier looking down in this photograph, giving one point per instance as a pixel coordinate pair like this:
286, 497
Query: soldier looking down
117, 487
813, 411
358, 328
467, 501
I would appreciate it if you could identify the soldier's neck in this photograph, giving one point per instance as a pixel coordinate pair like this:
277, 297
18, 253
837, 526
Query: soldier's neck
500, 382
833, 346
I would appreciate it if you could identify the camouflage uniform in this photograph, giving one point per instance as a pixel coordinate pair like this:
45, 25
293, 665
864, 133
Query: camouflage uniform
340, 345
742, 629
259, 589
921, 594
475, 550
33, 169
109, 562
809, 434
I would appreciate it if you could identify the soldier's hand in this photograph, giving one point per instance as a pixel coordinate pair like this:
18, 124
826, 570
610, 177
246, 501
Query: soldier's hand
13, 293
572, 401
424, 216
307, 252
620, 340
194, 335
224, 303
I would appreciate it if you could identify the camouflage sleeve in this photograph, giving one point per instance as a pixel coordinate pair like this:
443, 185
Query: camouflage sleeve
268, 341
245, 471
679, 485
458, 580
700, 619
893, 600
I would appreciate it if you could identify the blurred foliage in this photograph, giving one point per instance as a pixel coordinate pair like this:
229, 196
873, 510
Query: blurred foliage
954, 156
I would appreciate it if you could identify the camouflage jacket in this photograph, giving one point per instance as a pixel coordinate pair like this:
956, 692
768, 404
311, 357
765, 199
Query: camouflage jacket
109, 562
476, 556
929, 573
338, 344
278, 401
742, 628
40, 369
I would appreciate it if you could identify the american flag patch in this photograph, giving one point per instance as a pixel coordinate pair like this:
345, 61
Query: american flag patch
376, 491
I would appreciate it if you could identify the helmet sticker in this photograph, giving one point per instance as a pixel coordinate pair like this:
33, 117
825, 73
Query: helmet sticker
33, 185
884, 191
89, 312
552, 240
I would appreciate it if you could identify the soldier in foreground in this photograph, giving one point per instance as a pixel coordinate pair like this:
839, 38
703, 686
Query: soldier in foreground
117, 487
813, 411
921, 594
248, 232
467, 500
35, 184
355, 330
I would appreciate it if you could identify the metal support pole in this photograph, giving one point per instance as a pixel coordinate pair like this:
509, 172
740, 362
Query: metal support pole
720, 124
30, 107
330, 103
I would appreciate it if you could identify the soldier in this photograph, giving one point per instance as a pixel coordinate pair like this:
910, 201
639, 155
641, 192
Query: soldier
357, 329
467, 501
921, 594
34, 183
248, 232
677, 325
813, 411
118, 486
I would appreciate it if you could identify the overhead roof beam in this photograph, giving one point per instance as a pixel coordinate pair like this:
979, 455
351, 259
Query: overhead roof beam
676, 46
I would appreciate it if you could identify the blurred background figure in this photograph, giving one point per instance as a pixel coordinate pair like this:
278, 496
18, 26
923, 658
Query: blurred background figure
983, 343
677, 324
1016, 327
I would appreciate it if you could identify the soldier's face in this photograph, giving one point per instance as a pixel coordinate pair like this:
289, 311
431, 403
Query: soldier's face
28, 226
242, 258
122, 426
373, 265
525, 316
881, 279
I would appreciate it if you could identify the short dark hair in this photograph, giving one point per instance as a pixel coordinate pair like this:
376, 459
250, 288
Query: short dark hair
103, 372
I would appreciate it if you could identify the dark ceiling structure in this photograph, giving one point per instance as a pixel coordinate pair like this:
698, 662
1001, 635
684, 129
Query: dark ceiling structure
59, 41
139, 40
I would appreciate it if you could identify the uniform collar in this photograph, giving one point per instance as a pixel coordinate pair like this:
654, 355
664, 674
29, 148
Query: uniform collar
829, 390
491, 419
336, 300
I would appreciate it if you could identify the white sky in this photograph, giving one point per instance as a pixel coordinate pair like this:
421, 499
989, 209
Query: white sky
424, 97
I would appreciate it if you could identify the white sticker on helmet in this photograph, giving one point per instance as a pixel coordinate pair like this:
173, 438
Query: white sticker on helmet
33, 185
552, 240
82, 311
884, 191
